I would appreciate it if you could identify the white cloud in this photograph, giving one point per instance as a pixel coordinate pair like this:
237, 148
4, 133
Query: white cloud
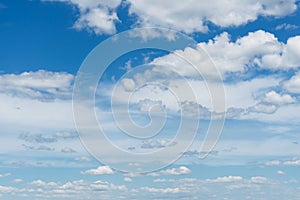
98, 20
102, 170
82, 159
6, 189
286, 26
127, 179
40, 84
128, 84
259, 179
161, 190
293, 162
225, 179
18, 180
257, 49
279, 172
277, 99
4, 175
293, 85
263, 108
182, 170
98, 16
191, 16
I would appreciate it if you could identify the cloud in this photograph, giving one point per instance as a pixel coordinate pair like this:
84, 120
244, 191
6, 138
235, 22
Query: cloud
286, 26
68, 150
102, 170
127, 179
158, 143
293, 84
293, 162
18, 180
273, 97
182, 170
263, 108
225, 179
6, 189
173, 14
38, 148
98, 20
258, 49
4, 175
37, 138
161, 190
82, 159
98, 16
259, 179
279, 172
40, 84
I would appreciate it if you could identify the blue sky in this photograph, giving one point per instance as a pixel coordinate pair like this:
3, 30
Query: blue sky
46, 50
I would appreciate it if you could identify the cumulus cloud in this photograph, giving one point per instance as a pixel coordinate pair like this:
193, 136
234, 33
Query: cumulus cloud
98, 16
293, 85
258, 49
182, 170
173, 14
273, 97
102, 170
40, 84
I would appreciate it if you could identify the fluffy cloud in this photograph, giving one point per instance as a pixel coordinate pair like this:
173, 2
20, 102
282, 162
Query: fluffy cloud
173, 14
293, 85
182, 170
39, 84
257, 49
98, 16
225, 179
277, 99
102, 170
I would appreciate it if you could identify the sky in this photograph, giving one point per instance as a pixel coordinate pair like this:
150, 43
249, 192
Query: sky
137, 99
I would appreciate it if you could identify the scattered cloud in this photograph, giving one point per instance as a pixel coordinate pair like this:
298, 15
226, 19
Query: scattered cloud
37, 138
40, 84
158, 143
4, 175
102, 170
224, 14
293, 84
68, 150
279, 172
182, 170
83, 159
127, 179
286, 26
278, 99
225, 179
